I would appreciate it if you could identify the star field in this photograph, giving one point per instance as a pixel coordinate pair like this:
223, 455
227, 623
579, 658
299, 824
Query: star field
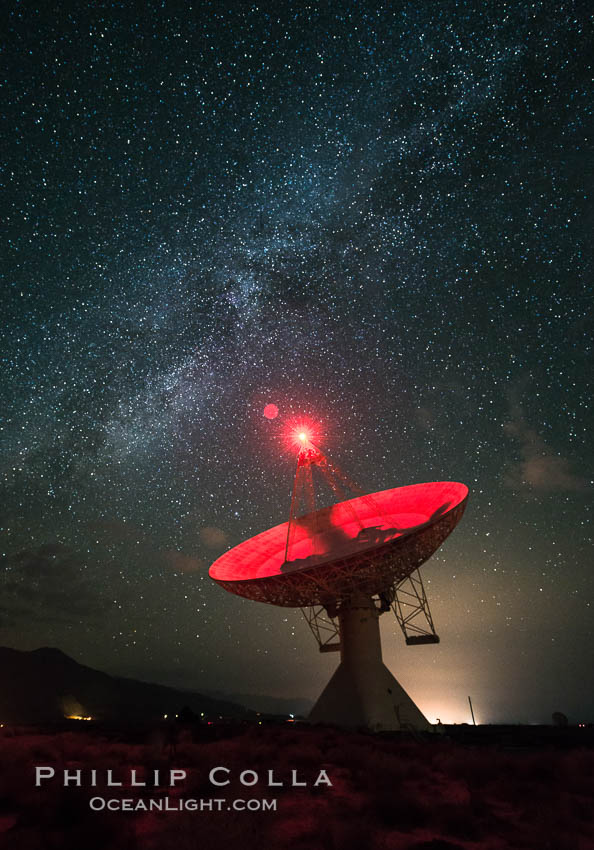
374, 215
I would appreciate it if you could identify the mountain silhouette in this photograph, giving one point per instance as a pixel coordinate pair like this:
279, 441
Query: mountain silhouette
45, 685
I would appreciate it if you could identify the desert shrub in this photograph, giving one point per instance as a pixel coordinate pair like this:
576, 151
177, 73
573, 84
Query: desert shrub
348, 833
456, 820
65, 822
474, 766
400, 808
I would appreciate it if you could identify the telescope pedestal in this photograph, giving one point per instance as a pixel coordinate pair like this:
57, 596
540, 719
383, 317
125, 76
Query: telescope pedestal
362, 692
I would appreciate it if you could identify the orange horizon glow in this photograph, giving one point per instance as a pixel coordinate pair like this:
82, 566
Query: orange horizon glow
450, 713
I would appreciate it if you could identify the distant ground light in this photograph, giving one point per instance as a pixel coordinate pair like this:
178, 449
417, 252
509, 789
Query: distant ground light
271, 411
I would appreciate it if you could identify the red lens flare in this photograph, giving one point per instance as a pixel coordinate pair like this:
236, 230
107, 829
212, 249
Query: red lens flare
302, 434
270, 411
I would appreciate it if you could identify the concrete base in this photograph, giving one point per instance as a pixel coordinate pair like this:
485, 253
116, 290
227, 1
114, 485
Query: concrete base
362, 692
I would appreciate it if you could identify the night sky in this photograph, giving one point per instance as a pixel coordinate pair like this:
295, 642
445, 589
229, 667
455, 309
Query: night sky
374, 215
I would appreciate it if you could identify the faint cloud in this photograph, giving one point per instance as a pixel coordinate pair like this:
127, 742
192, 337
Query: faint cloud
115, 531
48, 584
180, 563
539, 468
213, 537
425, 418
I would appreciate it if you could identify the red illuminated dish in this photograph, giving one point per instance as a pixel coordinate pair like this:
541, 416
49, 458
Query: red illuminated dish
359, 545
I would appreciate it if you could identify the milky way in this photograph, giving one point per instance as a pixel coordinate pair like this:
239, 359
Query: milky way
372, 214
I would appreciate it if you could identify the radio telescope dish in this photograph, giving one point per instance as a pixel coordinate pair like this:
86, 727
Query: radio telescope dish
346, 565
360, 545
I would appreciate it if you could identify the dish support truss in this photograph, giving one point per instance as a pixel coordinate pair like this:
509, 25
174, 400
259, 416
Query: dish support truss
406, 598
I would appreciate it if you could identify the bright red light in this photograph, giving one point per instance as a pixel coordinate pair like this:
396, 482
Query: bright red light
271, 411
301, 433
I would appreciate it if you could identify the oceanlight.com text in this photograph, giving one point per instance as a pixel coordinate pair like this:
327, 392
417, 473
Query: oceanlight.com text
169, 804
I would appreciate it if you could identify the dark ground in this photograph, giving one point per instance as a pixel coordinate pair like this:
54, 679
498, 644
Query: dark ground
483, 787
